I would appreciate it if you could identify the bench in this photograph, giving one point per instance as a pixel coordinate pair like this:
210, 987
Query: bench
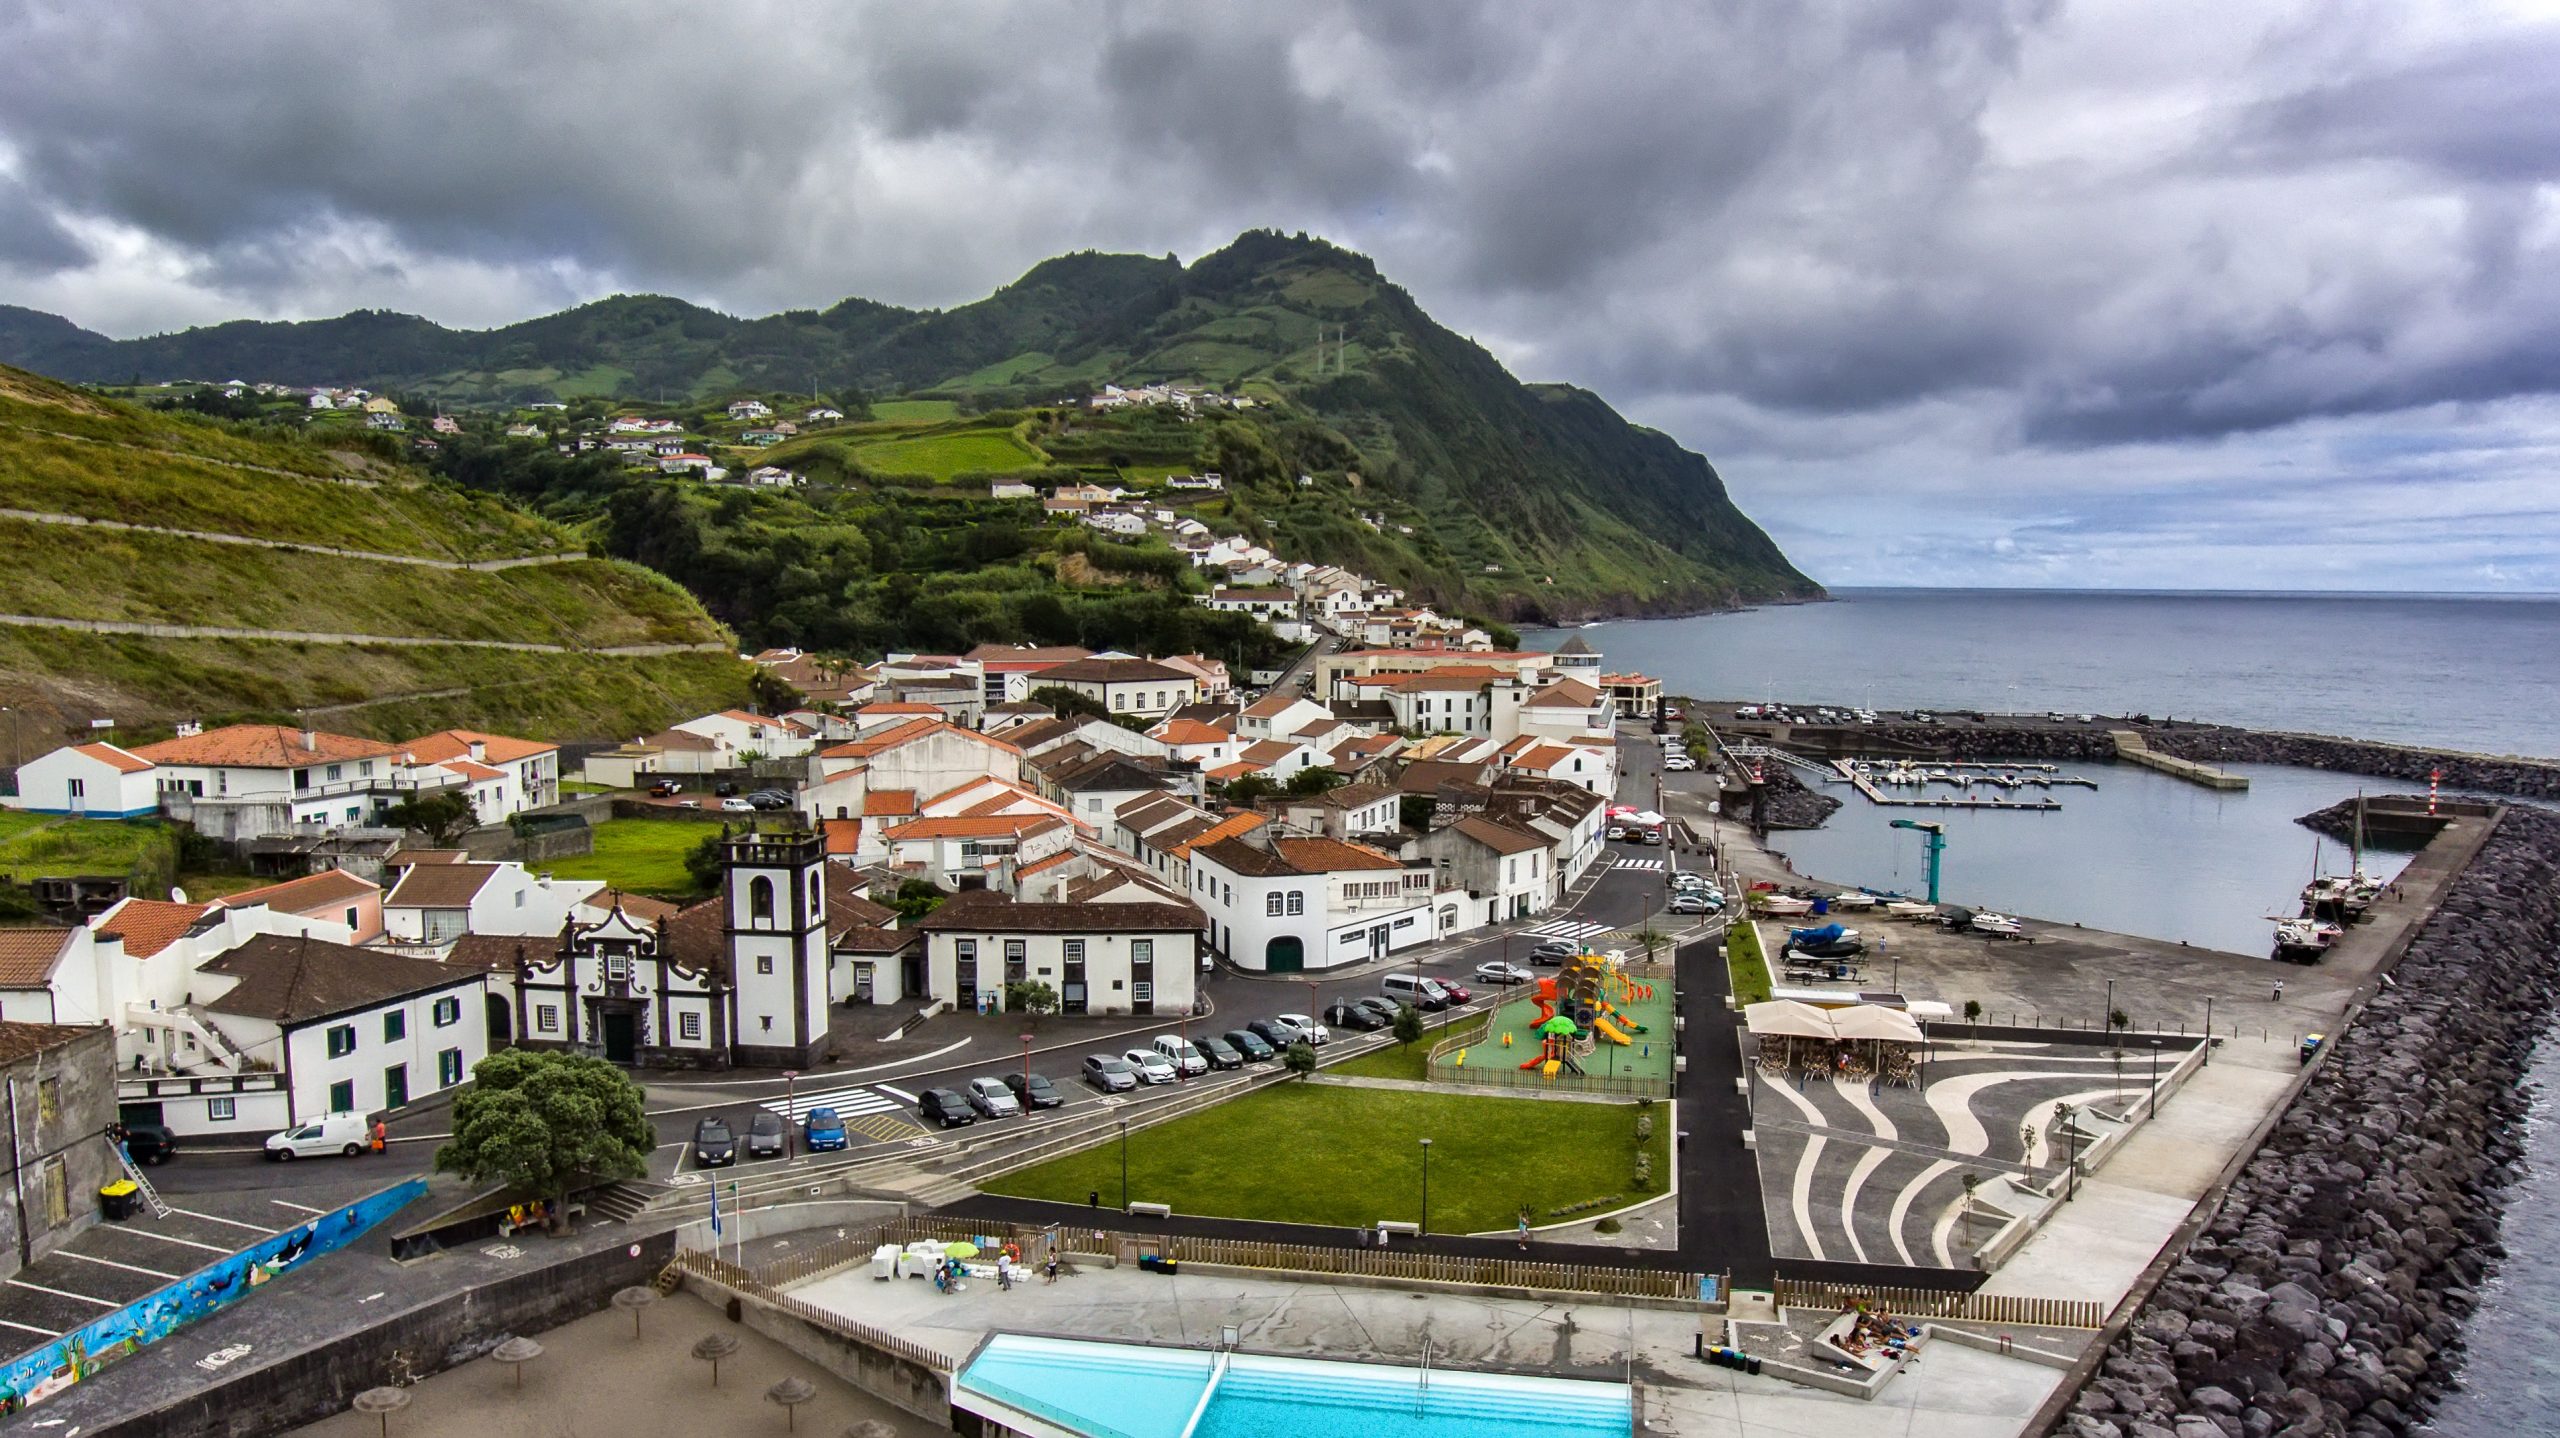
1401, 1230
1151, 1210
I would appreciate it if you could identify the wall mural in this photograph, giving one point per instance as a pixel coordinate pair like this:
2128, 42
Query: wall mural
33, 1377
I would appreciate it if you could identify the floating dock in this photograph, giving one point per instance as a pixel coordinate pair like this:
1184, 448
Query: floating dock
1866, 785
2132, 747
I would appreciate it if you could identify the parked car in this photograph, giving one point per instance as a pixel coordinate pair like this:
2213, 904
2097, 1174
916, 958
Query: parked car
1423, 993
1551, 953
1252, 1045
1109, 1074
1384, 1009
666, 788
1352, 1016
992, 1099
1152, 1067
1182, 1054
150, 1142
945, 1106
1617, 831
1220, 1053
714, 1146
824, 1131
769, 799
725, 788
767, 1135
1458, 993
1680, 764
1691, 879
1693, 904
1308, 1029
331, 1133
1033, 1090
1501, 974
736, 806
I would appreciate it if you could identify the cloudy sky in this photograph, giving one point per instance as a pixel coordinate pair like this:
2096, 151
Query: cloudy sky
2150, 293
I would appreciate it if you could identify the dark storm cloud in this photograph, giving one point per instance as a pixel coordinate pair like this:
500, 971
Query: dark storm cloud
1936, 228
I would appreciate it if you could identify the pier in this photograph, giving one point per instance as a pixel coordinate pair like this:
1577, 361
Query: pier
1955, 774
2131, 746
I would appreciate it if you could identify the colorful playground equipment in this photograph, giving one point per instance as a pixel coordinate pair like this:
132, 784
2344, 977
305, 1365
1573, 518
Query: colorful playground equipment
1579, 1007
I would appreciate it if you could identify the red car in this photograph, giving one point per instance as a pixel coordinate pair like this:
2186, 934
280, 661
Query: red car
1458, 993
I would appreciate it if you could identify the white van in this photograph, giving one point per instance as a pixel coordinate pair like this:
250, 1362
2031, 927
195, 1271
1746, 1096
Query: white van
332, 1133
1414, 989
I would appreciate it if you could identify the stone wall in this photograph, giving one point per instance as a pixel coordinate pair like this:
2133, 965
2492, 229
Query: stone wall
2326, 1293
320, 1382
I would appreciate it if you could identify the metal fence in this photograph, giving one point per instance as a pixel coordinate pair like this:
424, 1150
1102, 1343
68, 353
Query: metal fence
2016, 1308
1502, 1075
695, 1264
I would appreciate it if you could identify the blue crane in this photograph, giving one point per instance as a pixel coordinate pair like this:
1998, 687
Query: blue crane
1933, 840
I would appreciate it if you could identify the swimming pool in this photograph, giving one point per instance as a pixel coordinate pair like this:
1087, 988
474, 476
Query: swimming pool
1115, 1390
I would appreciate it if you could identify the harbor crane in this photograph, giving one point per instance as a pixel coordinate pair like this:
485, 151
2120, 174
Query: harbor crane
1933, 841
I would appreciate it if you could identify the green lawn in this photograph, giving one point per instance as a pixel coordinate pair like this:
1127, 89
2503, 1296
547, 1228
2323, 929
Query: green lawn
1396, 1061
907, 411
581, 786
1308, 1153
41, 845
944, 455
644, 856
1748, 965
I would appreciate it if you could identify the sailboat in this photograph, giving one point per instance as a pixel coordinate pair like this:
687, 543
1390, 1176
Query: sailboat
2305, 940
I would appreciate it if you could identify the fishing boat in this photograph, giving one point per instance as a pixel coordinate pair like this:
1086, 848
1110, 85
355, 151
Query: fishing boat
1998, 926
1854, 901
1784, 905
2305, 940
1909, 909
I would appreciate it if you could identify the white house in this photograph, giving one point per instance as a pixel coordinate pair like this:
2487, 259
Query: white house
903, 763
1101, 958
1506, 873
1293, 905
529, 769
351, 1030
435, 904
94, 781
949, 849
737, 734
1139, 687
1263, 604
749, 409
252, 781
1275, 715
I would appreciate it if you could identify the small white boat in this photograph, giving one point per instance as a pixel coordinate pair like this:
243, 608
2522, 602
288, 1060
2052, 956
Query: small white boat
1854, 901
1999, 926
2306, 939
1909, 909
1782, 904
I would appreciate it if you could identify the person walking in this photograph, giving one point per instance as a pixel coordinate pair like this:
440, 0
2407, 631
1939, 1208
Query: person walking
2279, 993
381, 1138
1050, 1274
1524, 1228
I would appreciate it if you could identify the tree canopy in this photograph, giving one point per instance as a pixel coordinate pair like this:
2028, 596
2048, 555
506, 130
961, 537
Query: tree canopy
443, 816
544, 1122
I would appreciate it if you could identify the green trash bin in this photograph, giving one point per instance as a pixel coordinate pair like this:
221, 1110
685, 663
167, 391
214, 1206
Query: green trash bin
120, 1199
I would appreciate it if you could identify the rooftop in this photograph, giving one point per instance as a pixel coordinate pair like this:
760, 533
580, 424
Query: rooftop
149, 925
296, 980
263, 746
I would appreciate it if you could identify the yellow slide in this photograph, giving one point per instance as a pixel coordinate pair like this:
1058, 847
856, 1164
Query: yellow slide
1609, 1031
1549, 1069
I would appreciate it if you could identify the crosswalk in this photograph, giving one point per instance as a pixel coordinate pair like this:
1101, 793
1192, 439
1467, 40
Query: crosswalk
1655, 865
865, 1110
1569, 929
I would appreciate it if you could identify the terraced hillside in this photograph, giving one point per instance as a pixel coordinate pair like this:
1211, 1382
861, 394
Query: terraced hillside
162, 569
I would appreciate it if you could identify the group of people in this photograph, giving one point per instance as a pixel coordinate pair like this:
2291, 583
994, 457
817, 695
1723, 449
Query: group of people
1009, 1267
1872, 1330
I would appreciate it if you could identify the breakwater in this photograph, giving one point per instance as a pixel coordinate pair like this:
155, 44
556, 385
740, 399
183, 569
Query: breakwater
2326, 1292
1790, 805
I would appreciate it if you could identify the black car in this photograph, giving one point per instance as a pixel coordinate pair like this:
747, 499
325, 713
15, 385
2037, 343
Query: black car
946, 1106
714, 1146
1352, 1016
769, 799
1552, 953
1274, 1033
150, 1143
767, 1135
1033, 1090
1252, 1045
725, 788
1384, 1012
1219, 1053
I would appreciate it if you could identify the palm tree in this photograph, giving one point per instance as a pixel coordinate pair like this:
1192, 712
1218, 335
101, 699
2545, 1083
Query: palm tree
1652, 938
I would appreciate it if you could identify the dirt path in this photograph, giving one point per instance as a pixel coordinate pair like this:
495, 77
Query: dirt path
478, 566
289, 636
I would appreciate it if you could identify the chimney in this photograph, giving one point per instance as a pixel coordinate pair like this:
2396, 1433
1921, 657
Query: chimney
479, 750
311, 740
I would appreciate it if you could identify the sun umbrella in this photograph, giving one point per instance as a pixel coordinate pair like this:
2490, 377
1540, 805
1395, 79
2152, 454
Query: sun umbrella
516, 1353
790, 1393
963, 1249
1559, 1026
713, 1348
382, 1401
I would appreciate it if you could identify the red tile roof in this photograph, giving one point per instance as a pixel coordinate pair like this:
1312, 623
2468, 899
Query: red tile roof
262, 746
888, 803
27, 956
962, 826
1321, 855
335, 888
120, 760
456, 744
149, 925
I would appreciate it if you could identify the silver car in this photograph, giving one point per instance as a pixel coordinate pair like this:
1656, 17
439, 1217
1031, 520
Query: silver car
1109, 1074
1152, 1067
992, 1099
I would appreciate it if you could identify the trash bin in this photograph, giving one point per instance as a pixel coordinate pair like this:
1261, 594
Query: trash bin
119, 1199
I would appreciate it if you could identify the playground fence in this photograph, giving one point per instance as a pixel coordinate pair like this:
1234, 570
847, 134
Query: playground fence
1498, 1074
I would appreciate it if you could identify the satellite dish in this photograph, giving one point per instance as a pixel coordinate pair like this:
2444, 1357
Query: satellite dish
177, 896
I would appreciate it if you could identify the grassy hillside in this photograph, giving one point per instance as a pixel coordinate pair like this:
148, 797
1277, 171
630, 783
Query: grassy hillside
1528, 500
275, 505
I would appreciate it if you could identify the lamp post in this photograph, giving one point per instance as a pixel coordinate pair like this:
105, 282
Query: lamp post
790, 1108
2071, 1142
2208, 1028
2110, 1014
1026, 1076
1886, 945
1426, 1186
1124, 1165
2155, 1078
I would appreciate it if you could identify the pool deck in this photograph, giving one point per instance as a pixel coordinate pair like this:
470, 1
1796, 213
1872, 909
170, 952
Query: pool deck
1951, 1393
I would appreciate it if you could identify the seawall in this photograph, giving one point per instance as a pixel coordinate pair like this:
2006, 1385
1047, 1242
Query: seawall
2326, 1291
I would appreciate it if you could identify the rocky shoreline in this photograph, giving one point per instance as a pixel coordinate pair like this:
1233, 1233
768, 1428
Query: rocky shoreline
1790, 805
2326, 1294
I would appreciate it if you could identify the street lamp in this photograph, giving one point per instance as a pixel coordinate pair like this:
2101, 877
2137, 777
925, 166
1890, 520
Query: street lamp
1124, 1165
2110, 1015
2155, 1078
790, 1107
1026, 1076
1426, 1186
2071, 1142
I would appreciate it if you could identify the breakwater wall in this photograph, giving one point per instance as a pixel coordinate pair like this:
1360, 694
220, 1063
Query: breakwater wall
1790, 805
2221, 744
2325, 1292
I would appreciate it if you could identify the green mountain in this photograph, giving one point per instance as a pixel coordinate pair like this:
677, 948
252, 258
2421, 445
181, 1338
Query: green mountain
1527, 501
163, 569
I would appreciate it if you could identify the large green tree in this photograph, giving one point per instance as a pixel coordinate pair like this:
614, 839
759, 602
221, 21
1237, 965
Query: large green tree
542, 1123
443, 816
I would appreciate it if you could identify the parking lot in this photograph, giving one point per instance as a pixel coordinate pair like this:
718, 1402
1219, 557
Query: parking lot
112, 1264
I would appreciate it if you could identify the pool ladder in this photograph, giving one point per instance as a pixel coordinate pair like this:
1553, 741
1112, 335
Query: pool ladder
1422, 1393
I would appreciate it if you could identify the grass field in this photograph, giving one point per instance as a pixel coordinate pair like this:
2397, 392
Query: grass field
910, 411
41, 845
1306, 1153
943, 455
644, 856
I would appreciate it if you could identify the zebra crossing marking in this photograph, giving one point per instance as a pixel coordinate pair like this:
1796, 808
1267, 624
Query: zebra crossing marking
1569, 929
849, 1103
1655, 865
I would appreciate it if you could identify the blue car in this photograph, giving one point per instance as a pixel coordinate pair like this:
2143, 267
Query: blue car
826, 1131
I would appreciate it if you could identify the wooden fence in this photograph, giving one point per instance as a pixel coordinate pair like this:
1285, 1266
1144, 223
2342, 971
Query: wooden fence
2015, 1308
1083, 1241
696, 1264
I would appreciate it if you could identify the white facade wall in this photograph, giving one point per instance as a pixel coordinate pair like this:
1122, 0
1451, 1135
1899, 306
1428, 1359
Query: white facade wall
67, 781
1109, 958
426, 1052
1334, 923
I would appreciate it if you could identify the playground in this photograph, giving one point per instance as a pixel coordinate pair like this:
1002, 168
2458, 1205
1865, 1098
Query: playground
1593, 1025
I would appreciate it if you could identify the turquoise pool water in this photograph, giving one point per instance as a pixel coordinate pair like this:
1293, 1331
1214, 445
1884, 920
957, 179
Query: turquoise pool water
1110, 1390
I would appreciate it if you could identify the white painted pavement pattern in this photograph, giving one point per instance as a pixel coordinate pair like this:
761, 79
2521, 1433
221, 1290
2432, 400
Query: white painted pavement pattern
1569, 929
1653, 864
847, 1102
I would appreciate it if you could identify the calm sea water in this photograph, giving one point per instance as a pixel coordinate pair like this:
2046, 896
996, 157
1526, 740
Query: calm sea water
2143, 853
2468, 672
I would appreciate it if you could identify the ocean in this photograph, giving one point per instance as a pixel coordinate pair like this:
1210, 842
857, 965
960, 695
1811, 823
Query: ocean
2463, 671
2467, 672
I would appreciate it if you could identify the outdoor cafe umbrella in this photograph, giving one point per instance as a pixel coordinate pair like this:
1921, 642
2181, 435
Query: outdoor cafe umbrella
963, 1249
383, 1402
790, 1393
